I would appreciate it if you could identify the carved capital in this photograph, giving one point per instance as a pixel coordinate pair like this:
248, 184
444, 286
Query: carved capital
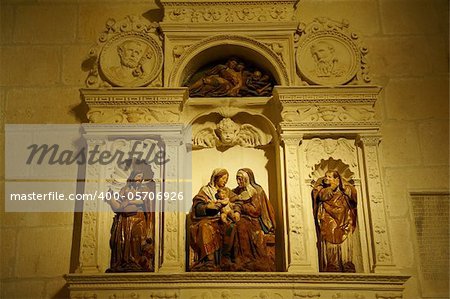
369, 140
291, 140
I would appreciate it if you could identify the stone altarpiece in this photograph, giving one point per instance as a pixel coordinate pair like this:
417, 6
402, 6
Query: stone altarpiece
321, 116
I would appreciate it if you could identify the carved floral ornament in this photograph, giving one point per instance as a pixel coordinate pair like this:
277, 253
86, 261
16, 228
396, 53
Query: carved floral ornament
132, 115
128, 54
329, 53
228, 11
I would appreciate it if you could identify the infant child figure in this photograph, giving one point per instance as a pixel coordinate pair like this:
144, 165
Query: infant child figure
227, 212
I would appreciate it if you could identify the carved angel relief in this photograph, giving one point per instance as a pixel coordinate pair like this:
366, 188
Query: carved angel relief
227, 133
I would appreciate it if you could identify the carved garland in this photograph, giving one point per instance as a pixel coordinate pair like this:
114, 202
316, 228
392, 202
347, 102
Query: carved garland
229, 12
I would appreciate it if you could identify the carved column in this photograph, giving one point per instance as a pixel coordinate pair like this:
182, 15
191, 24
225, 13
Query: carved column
88, 261
173, 211
298, 259
381, 241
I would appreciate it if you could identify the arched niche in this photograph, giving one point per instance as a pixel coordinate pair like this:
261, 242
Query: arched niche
263, 160
221, 47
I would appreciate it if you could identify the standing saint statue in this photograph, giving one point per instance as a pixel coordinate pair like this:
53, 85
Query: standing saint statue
132, 231
334, 206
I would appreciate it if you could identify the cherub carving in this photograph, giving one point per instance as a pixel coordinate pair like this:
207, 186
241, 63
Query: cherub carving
228, 133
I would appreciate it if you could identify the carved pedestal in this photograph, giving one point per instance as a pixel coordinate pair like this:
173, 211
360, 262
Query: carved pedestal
236, 285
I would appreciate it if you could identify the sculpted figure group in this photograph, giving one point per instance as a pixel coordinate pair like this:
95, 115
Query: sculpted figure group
228, 226
232, 79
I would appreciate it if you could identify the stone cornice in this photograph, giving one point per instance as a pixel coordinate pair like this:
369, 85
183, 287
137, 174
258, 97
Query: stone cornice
234, 280
292, 3
126, 97
206, 29
320, 94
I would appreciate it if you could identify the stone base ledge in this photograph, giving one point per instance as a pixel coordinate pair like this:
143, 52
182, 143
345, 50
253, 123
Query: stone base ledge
236, 285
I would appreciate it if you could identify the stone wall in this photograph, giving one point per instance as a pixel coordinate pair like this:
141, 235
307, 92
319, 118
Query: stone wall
44, 43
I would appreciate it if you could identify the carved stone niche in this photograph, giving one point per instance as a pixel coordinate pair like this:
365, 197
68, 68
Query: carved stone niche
97, 214
340, 124
235, 139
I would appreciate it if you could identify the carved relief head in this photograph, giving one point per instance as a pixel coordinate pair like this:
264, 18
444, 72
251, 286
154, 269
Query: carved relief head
128, 54
227, 130
131, 53
323, 52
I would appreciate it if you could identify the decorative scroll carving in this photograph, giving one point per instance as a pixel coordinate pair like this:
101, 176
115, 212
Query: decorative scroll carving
174, 254
88, 258
331, 113
330, 54
89, 235
267, 295
164, 295
388, 296
128, 53
318, 149
349, 106
383, 252
309, 295
227, 133
228, 11
84, 296
295, 206
347, 296
137, 115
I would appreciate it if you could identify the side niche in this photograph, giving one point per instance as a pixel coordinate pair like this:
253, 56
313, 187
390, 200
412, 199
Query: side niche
336, 201
232, 77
